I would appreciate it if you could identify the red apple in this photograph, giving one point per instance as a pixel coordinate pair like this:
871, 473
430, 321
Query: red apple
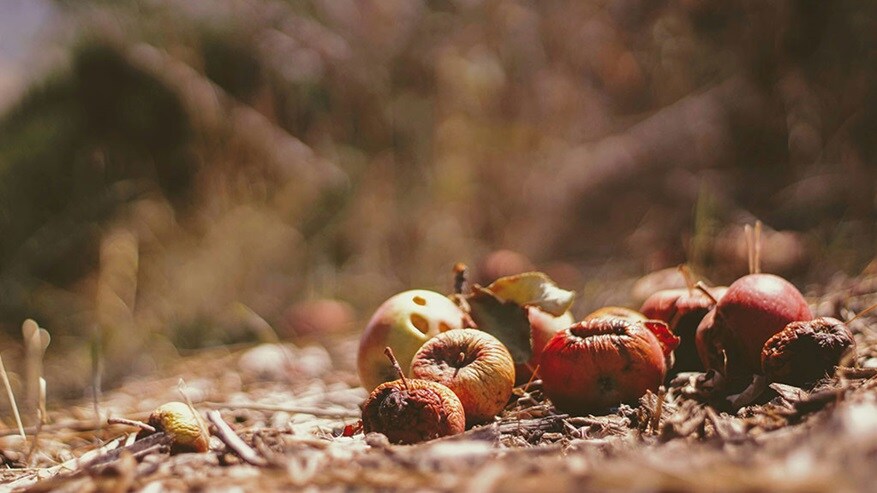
682, 310
602, 362
403, 322
543, 326
754, 308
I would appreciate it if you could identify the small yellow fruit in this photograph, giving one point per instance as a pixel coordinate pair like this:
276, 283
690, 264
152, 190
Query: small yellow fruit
182, 425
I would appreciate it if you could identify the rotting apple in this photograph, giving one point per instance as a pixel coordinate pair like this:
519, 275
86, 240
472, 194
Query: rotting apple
804, 352
543, 326
410, 410
474, 365
603, 362
754, 308
683, 309
403, 322
184, 427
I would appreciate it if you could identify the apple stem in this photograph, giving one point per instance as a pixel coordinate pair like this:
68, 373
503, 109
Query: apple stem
863, 312
750, 250
686, 274
389, 352
700, 286
756, 262
460, 359
460, 275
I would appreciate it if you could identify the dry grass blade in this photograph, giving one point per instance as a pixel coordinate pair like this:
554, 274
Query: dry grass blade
11, 396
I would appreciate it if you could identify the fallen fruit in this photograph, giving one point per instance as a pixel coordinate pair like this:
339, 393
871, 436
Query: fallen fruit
602, 362
409, 410
804, 352
403, 322
755, 307
683, 309
182, 425
543, 326
476, 366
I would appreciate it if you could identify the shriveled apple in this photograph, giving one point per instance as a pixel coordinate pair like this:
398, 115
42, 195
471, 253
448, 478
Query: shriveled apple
603, 362
473, 364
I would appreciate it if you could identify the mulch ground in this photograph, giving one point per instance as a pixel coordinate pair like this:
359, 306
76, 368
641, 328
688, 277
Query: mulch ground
293, 407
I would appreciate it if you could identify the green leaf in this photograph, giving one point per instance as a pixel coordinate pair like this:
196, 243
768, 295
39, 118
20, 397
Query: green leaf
533, 289
505, 320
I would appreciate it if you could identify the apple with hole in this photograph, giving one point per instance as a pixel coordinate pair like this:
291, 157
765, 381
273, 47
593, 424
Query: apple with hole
403, 322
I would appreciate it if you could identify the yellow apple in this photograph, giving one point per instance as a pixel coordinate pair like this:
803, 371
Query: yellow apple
403, 322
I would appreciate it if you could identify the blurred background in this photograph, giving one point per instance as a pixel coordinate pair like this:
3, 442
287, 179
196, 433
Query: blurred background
179, 174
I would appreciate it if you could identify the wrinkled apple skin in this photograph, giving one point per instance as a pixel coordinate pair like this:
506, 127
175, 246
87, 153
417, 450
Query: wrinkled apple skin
599, 363
403, 322
682, 310
543, 326
804, 352
413, 411
474, 365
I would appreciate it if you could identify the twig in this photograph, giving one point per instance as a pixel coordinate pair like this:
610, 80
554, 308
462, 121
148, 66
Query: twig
11, 396
130, 422
863, 312
233, 441
532, 377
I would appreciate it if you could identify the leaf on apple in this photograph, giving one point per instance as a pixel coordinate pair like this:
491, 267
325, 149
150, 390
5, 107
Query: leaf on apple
533, 289
505, 320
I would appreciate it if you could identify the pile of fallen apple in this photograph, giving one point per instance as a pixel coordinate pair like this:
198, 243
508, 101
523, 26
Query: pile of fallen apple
465, 352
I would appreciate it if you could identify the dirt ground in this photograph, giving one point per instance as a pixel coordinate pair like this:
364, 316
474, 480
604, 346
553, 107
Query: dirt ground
296, 409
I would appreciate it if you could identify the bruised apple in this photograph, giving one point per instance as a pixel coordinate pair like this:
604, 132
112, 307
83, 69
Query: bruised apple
603, 362
410, 411
403, 322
